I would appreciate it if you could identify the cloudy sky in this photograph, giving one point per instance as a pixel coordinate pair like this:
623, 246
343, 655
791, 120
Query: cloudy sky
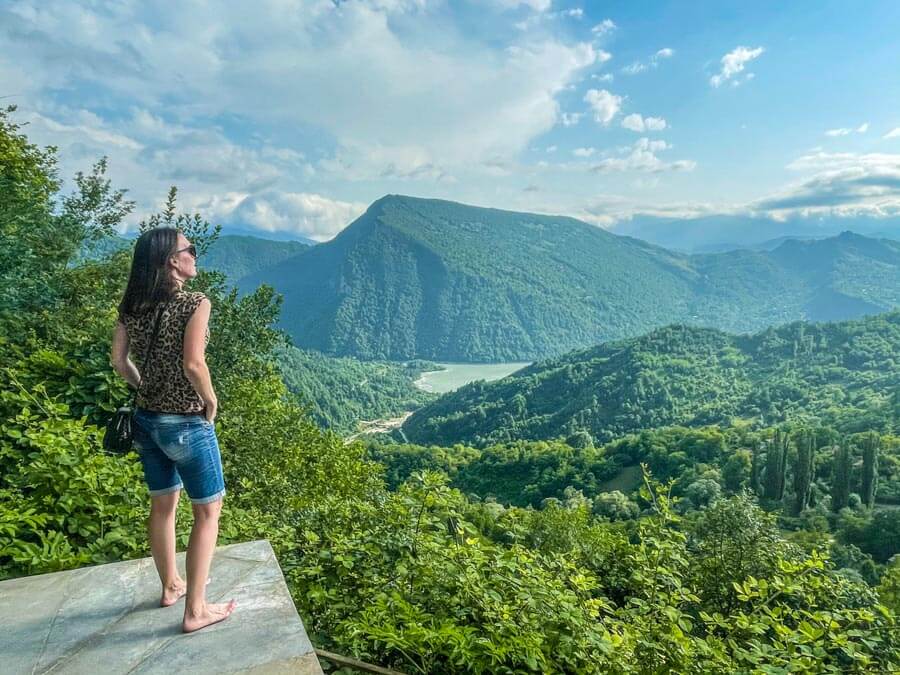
293, 115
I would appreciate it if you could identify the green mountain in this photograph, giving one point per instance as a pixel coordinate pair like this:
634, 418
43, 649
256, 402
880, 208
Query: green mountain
238, 256
423, 278
844, 374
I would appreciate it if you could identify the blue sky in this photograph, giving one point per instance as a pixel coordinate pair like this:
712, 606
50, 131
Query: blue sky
294, 116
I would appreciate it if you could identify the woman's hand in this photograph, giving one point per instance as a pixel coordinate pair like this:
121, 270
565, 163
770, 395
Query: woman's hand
209, 412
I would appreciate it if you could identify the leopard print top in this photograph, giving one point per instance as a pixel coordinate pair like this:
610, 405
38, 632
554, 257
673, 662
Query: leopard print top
164, 386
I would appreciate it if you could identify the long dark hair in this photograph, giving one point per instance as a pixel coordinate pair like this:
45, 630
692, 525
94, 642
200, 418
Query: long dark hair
149, 282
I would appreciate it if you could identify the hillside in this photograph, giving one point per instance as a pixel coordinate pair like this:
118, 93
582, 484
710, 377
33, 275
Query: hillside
422, 278
342, 391
238, 256
846, 372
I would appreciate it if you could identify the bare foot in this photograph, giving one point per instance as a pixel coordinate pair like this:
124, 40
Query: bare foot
174, 592
213, 614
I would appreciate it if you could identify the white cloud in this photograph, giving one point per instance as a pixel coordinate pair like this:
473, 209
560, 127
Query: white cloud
846, 131
635, 122
308, 214
605, 77
536, 5
604, 27
539, 17
551, 148
458, 102
639, 67
583, 152
893, 133
642, 157
570, 119
733, 63
604, 104
148, 154
841, 184
603, 56
223, 92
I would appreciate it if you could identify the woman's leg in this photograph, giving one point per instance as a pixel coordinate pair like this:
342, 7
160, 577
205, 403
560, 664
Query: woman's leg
162, 545
197, 612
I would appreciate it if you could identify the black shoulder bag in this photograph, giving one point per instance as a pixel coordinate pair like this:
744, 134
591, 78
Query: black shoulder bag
120, 429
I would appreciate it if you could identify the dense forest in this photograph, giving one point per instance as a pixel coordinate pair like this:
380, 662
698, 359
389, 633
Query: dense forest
341, 392
845, 375
422, 278
407, 571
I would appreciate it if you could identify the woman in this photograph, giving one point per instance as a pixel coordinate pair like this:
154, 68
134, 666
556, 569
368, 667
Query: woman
174, 412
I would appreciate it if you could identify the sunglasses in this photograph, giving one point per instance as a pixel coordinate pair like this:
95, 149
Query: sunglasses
190, 249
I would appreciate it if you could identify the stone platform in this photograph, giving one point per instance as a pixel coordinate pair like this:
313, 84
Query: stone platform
107, 619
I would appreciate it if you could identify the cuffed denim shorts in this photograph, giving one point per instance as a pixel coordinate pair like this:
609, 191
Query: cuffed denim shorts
179, 451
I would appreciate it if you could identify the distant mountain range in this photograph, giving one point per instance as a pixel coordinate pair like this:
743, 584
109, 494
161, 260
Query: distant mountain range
710, 234
423, 278
846, 373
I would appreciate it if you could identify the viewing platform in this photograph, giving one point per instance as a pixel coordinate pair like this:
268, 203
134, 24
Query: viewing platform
107, 619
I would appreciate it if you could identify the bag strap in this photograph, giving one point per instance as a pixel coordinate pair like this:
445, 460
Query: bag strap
150, 347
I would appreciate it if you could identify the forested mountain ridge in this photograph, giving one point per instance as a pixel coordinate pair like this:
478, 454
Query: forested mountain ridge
435, 279
849, 372
721, 232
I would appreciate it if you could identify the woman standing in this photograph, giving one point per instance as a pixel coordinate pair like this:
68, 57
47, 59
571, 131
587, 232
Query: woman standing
174, 412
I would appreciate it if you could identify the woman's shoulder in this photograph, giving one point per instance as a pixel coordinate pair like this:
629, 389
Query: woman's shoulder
188, 301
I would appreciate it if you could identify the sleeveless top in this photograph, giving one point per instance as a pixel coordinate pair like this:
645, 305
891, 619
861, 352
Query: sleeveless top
164, 386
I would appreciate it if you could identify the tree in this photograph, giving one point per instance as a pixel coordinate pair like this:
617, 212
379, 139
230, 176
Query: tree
756, 469
871, 445
732, 540
615, 506
804, 469
580, 439
889, 588
738, 470
840, 476
703, 492
776, 463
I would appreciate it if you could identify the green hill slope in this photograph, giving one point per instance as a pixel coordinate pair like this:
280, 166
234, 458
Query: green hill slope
848, 372
343, 391
238, 256
434, 279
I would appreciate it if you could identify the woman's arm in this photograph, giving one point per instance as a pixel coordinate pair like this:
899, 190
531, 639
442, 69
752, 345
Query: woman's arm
119, 357
195, 357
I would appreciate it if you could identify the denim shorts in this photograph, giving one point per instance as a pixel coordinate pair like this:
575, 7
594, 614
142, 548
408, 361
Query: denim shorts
179, 451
